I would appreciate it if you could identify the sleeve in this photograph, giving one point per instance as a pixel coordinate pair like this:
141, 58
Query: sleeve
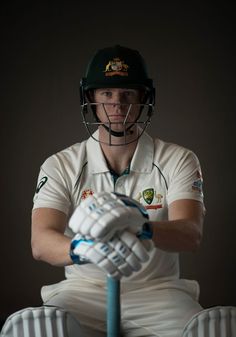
186, 180
52, 188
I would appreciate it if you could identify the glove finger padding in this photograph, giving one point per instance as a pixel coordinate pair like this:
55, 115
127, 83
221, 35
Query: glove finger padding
102, 215
135, 245
121, 256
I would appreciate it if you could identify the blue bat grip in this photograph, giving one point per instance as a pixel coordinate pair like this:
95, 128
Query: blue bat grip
113, 307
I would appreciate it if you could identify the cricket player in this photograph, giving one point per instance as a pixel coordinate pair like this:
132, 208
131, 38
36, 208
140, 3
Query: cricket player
120, 203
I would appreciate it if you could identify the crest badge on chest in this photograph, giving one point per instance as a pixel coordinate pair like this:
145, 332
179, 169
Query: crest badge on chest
150, 198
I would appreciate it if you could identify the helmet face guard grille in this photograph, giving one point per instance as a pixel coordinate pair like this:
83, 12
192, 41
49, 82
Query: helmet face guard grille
129, 129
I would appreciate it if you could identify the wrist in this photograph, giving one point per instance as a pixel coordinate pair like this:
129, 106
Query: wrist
74, 258
146, 232
75, 243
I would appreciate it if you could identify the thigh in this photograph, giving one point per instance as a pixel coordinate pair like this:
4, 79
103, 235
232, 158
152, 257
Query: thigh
88, 307
161, 313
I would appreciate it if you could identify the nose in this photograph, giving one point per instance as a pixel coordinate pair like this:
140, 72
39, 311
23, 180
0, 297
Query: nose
119, 98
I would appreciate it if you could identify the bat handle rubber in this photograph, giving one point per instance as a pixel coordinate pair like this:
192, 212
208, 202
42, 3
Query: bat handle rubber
113, 307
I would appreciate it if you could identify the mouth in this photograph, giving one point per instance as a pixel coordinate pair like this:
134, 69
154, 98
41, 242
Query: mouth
117, 117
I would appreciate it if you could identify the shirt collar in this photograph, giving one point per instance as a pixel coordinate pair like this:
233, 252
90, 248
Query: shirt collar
143, 156
141, 162
96, 160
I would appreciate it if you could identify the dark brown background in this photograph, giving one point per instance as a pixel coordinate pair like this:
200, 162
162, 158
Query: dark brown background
191, 56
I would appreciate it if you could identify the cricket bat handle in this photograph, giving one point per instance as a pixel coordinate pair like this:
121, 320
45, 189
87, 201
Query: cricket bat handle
113, 308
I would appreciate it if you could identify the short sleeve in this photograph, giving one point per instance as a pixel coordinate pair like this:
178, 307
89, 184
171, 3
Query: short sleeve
186, 180
52, 190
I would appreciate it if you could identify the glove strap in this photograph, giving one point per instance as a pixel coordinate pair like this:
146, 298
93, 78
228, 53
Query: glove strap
147, 232
74, 258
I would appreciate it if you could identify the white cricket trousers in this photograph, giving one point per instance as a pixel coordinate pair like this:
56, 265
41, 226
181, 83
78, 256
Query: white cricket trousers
159, 310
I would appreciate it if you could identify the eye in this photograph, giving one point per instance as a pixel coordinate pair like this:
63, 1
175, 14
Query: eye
106, 93
129, 93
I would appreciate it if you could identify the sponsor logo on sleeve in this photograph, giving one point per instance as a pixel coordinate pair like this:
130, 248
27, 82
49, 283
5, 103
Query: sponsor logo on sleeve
41, 183
197, 184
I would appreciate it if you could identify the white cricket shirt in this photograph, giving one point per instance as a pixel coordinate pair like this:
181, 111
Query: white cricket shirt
159, 174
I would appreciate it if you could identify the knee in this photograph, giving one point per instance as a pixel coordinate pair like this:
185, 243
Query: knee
215, 321
45, 321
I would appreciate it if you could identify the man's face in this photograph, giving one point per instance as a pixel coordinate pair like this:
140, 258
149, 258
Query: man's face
118, 106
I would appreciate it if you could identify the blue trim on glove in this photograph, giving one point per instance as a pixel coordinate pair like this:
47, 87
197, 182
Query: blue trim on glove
147, 232
133, 203
76, 259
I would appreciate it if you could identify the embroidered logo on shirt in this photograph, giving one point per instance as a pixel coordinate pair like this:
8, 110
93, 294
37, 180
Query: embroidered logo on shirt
41, 183
86, 194
148, 195
197, 184
150, 199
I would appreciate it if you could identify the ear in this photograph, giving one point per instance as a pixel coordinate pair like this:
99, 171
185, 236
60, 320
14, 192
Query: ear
90, 95
143, 96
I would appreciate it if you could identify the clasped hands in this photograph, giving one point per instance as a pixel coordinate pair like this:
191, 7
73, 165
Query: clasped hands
111, 232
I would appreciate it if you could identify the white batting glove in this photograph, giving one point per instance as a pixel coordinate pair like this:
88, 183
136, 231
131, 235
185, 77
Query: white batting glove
118, 257
100, 216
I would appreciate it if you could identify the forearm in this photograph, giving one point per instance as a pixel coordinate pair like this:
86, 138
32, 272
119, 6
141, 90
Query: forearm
177, 235
52, 247
49, 244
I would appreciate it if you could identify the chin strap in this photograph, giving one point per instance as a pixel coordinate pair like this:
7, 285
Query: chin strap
121, 133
